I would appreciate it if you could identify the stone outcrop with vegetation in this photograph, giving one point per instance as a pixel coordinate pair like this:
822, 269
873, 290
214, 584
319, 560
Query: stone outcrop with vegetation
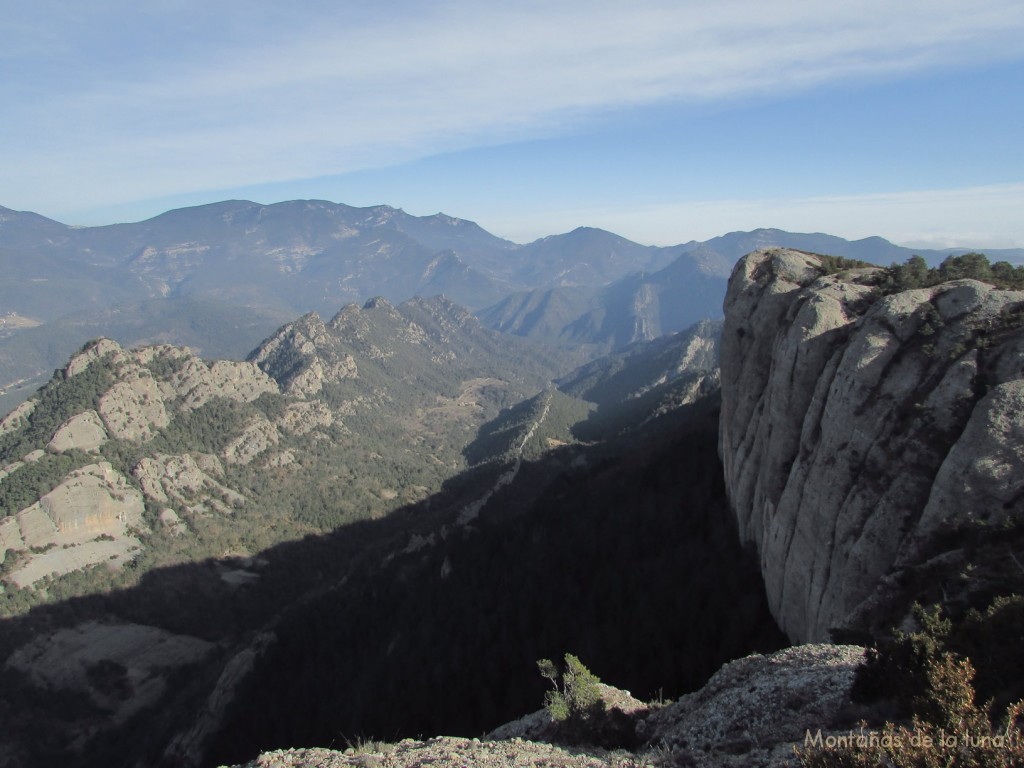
872, 437
753, 712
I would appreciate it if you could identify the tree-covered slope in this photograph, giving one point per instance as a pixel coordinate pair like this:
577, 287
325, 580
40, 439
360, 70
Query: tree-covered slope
144, 457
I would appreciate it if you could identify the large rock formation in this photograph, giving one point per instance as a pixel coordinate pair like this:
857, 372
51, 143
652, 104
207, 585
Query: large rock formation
121, 667
856, 429
84, 431
301, 356
86, 520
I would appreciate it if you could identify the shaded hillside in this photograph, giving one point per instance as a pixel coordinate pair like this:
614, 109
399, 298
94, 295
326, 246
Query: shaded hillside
621, 554
609, 397
188, 473
409, 624
638, 307
529, 429
643, 366
132, 459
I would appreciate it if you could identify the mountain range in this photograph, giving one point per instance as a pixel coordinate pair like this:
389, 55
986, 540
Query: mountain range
363, 468
375, 521
222, 277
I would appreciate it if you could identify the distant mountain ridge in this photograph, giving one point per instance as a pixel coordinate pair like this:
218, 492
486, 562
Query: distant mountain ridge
307, 254
221, 277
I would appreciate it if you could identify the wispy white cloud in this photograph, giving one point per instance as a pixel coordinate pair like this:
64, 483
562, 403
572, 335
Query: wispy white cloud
144, 100
976, 217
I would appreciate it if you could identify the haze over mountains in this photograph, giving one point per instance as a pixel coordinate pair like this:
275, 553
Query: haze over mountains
202, 559
222, 277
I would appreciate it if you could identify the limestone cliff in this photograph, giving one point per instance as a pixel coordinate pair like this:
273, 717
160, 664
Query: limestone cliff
861, 434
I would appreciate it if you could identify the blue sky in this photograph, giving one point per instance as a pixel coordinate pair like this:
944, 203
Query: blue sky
662, 121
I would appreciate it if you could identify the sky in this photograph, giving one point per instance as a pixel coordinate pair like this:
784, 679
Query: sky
662, 120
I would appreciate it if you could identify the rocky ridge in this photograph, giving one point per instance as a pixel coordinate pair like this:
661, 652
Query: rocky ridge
160, 429
751, 713
857, 430
138, 475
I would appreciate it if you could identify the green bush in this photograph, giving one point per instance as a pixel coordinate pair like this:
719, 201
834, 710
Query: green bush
915, 273
951, 730
575, 697
579, 711
833, 264
930, 681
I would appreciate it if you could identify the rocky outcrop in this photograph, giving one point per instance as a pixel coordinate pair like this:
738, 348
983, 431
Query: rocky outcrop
84, 431
154, 383
190, 482
198, 381
856, 429
303, 417
133, 408
97, 350
450, 752
18, 418
258, 435
539, 725
121, 667
303, 355
91, 499
754, 710
86, 520
10, 536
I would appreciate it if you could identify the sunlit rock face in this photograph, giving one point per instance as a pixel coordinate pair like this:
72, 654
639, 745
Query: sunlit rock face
856, 429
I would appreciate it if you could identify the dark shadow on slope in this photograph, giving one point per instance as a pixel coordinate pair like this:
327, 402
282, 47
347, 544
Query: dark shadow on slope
628, 560
623, 553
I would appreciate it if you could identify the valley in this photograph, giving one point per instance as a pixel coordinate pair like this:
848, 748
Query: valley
372, 522
220, 278
359, 466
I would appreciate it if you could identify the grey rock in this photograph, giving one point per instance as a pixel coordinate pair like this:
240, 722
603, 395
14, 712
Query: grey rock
854, 430
756, 708
83, 431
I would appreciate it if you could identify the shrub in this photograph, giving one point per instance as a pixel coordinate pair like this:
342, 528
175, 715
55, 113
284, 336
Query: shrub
830, 265
962, 736
575, 695
934, 687
916, 273
578, 709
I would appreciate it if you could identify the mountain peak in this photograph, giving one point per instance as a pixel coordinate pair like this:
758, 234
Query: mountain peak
378, 302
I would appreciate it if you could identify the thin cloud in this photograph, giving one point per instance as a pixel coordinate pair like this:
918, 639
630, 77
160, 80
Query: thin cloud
977, 217
327, 93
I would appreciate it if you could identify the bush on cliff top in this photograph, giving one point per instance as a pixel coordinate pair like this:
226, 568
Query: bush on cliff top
928, 676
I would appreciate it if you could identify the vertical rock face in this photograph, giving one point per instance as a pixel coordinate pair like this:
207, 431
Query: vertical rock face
855, 430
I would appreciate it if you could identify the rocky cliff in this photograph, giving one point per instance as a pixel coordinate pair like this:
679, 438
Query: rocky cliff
868, 438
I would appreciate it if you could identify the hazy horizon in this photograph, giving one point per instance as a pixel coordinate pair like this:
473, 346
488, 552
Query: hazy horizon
661, 122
